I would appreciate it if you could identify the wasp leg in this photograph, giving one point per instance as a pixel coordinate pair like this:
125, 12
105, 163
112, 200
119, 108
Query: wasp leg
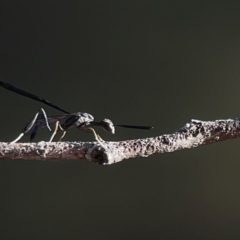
18, 138
63, 135
30, 125
57, 127
97, 137
64, 132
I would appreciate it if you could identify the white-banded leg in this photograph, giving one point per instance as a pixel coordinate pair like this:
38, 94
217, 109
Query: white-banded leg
30, 125
18, 138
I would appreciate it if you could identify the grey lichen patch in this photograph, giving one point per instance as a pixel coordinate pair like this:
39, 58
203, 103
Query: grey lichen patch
42, 149
97, 154
116, 154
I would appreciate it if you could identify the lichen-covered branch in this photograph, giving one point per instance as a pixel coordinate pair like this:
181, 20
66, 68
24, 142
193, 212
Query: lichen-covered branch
193, 134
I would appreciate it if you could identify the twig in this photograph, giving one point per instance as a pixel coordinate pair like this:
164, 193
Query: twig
193, 134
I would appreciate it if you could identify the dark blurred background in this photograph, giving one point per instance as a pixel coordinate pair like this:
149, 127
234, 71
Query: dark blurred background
158, 63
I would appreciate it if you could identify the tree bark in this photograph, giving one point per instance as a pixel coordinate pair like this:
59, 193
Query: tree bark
193, 134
